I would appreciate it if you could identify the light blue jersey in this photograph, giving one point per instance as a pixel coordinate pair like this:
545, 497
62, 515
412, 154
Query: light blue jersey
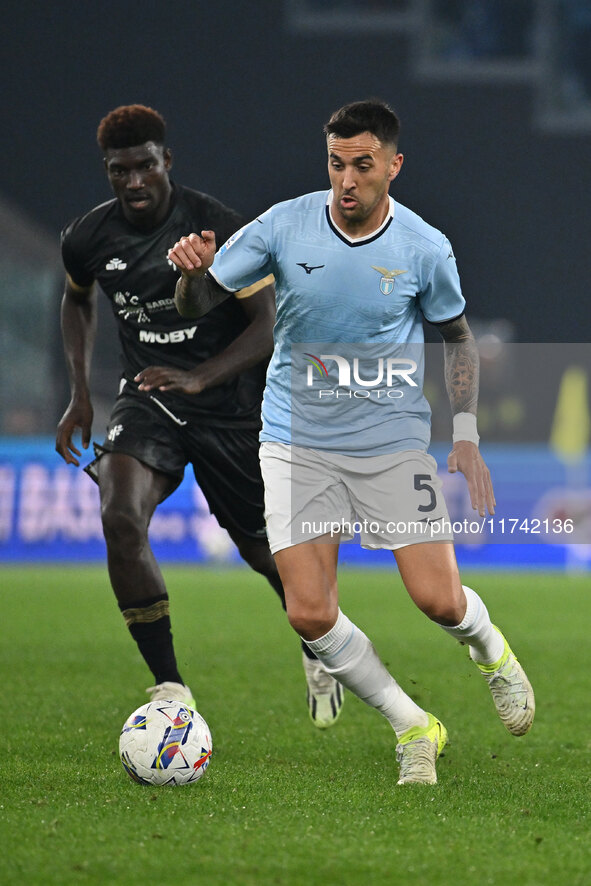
346, 373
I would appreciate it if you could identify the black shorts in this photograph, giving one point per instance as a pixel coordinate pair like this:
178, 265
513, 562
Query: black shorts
225, 460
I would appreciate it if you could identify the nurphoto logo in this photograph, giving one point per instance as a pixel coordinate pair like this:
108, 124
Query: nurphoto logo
382, 377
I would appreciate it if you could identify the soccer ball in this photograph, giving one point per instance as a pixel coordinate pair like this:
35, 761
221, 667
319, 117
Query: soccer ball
165, 742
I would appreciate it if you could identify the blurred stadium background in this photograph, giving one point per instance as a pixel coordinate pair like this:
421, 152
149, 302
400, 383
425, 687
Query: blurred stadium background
495, 102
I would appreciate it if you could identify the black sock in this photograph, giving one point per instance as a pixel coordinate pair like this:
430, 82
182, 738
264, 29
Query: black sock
308, 652
149, 625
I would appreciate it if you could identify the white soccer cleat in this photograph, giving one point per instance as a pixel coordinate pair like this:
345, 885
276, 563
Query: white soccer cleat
325, 695
511, 691
417, 751
170, 691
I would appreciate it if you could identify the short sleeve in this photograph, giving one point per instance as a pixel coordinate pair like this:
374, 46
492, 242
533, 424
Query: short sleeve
441, 300
73, 260
246, 256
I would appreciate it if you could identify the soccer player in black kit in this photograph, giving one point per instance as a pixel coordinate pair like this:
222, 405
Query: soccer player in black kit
190, 391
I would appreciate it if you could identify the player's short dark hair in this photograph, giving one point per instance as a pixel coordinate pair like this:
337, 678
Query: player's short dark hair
131, 125
371, 115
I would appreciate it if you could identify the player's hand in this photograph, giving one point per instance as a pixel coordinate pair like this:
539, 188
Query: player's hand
466, 457
194, 254
168, 378
79, 414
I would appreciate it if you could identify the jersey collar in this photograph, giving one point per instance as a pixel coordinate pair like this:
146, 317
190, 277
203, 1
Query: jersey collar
368, 238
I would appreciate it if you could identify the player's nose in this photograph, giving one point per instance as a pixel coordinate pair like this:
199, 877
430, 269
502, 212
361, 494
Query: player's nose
348, 179
135, 180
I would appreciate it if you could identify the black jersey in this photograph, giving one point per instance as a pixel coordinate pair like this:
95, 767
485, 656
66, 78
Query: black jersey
132, 268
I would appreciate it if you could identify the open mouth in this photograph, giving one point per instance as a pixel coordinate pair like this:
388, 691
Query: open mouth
348, 202
138, 202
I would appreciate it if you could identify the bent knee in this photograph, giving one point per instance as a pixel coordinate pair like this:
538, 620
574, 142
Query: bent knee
257, 554
123, 528
449, 610
311, 624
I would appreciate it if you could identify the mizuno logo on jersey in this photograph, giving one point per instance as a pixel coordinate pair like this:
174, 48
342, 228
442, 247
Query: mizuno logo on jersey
165, 338
308, 268
387, 279
115, 264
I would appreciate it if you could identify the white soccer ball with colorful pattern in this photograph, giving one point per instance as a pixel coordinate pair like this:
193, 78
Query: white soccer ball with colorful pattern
165, 742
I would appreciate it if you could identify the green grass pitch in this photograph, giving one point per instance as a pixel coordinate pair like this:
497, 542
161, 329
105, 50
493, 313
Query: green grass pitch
284, 804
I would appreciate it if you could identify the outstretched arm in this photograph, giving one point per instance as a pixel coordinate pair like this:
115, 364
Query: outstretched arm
462, 371
250, 347
78, 318
196, 293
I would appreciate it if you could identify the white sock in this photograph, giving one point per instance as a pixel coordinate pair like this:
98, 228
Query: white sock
476, 629
348, 655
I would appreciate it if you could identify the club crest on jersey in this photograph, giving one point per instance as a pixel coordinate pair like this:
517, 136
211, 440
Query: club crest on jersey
387, 278
115, 264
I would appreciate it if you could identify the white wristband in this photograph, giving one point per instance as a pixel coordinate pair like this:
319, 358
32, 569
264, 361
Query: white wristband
465, 428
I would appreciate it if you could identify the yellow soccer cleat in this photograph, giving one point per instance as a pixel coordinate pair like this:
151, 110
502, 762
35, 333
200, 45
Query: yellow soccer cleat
511, 691
417, 751
170, 691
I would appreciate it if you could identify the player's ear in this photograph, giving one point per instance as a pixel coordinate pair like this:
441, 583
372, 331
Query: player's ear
167, 155
395, 165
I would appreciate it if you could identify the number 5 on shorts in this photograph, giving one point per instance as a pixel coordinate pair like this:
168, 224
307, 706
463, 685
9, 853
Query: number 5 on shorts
420, 485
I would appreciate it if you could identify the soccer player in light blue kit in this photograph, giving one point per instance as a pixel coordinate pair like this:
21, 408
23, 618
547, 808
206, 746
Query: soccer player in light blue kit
355, 273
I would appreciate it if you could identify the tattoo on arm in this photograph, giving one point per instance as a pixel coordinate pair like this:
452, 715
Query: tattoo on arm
462, 366
195, 296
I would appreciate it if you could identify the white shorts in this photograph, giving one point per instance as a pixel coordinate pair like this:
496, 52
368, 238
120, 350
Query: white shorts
390, 501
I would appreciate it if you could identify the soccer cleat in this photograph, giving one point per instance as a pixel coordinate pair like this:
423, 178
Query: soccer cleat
325, 694
511, 691
170, 691
417, 751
